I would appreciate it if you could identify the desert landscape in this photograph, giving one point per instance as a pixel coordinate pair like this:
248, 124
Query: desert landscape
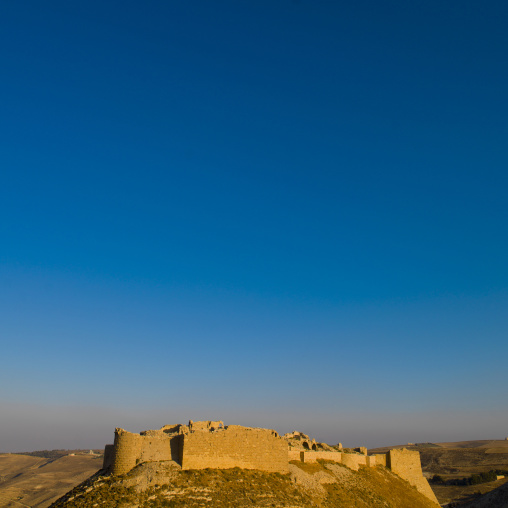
315, 473
458, 460
35, 481
291, 215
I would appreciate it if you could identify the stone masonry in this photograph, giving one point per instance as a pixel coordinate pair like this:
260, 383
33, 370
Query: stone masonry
199, 445
211, 444
406, 464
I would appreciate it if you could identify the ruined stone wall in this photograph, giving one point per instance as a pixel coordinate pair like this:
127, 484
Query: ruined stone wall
371, 460
127, 451
294, 455
354, 460
109, 456
235, 446
406, 464
380, 459
313, 456
158, 447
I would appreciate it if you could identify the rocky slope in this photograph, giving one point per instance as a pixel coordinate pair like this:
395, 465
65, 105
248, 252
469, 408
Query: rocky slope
324, 484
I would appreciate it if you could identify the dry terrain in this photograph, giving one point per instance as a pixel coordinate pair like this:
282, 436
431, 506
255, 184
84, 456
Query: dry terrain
32, 481
37, 482
324, 485
454, 460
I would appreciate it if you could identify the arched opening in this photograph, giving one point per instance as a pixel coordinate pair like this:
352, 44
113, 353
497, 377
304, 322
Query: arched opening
314, 447
306, 445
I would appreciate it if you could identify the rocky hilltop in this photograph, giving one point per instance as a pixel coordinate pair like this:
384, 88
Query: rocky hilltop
210, 464
323, 484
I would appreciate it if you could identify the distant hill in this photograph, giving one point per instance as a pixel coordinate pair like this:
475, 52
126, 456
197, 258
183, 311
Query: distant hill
458, 460
56, 454
488, 443
35, 481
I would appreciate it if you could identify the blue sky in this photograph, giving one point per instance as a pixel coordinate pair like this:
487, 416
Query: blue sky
290, 214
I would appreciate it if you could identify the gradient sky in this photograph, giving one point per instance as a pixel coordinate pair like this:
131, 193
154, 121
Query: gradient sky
290, 214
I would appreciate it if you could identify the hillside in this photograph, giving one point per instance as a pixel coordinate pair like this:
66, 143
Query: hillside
497, 498
36, 481
324, 484
456, 460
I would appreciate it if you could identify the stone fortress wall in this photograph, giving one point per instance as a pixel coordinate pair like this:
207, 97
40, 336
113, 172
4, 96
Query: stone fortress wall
199, 445
236, 446
131, 449
407, 464
210, 444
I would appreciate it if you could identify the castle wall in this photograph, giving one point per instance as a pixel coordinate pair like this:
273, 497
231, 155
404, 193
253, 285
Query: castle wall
294, 455
406, 464
235, 446
109, 456
158, 447
354, 460
313, 456
243, 447
127, 451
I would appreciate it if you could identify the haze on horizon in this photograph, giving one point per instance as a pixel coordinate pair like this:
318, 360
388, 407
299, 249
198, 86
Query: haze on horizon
287, 214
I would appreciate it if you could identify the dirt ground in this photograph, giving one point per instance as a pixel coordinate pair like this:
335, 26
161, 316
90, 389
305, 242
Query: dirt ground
27, 481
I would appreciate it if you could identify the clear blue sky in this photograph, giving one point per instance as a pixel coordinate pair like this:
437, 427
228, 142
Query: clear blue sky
290, 214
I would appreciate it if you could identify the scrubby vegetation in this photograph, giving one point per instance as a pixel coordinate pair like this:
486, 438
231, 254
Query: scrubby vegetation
54, 454
46, 454
474, 479
208, 487
320, 484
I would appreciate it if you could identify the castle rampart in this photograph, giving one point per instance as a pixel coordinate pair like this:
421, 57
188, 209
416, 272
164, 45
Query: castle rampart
199, 445
109, 456
236, 446
354, 460
127, 451
406, 464
312, 456
210, 444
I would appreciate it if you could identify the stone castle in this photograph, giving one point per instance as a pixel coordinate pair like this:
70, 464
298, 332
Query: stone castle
211, 444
